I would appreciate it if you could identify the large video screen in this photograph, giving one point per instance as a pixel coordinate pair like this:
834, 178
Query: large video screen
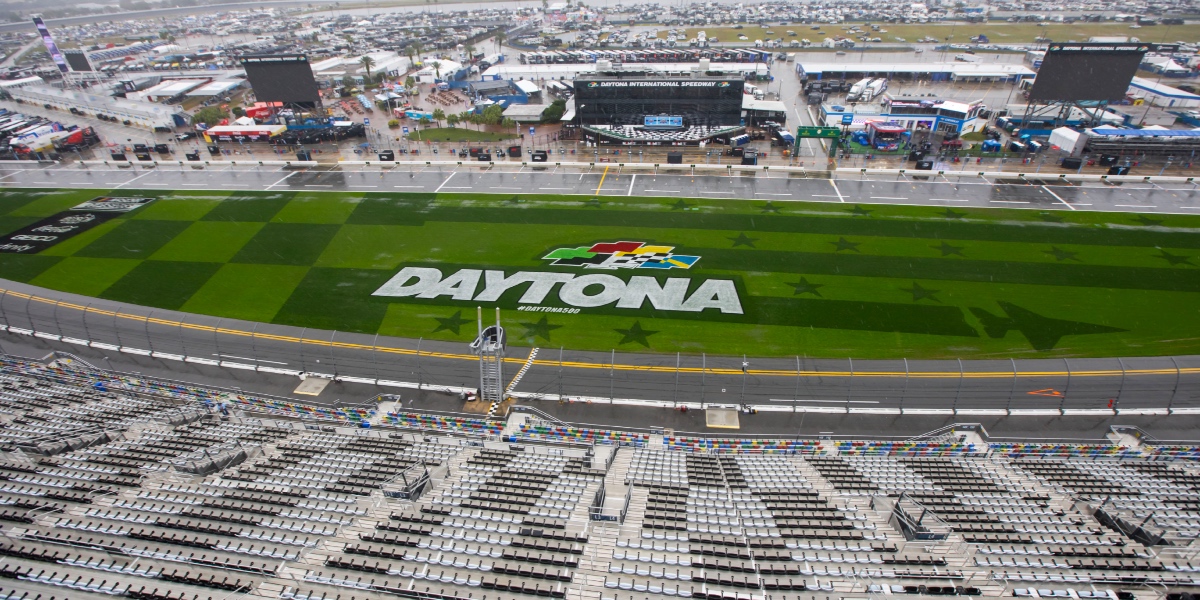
680, 101
77, 60
1082, 72
283, 78
663, 121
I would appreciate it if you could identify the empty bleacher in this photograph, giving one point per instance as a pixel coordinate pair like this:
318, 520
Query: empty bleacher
145, 490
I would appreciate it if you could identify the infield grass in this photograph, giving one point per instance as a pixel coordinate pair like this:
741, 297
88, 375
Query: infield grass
814, 279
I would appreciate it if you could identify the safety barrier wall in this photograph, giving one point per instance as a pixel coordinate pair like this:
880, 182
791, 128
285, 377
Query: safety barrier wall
199, 163
1027, 175
357, 417
710, 168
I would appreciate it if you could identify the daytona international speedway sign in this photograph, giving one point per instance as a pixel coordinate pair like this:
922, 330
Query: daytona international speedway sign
578, 291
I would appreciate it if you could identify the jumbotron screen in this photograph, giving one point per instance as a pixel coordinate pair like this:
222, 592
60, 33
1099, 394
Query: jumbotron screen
78, 60
286, 78
1086, 72
657, 101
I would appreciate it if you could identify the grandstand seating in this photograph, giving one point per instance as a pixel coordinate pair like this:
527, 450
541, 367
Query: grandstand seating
302, 510
437, 422
538, 430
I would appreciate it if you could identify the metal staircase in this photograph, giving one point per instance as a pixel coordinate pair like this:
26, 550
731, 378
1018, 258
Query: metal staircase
489, 346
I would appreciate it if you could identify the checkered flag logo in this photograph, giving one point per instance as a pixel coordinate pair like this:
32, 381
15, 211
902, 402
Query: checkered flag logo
621, 255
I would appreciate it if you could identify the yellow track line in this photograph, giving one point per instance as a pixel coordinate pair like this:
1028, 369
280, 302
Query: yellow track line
605, 174
615, 367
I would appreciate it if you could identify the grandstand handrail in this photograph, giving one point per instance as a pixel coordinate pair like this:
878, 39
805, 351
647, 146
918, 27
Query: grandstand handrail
539, 412
434, 411
117, 378
74, 357
1135, 431
938, 432
219, 388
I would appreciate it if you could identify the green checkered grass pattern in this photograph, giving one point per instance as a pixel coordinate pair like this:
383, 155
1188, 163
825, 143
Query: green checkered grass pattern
814, 279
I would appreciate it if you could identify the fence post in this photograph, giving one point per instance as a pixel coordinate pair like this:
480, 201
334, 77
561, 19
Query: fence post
1062, 404
1178, 375
87, 334
560, 371
28, 314
3, 313
253, 345
333, 357
958, 392
54, 314
1012, 391
1120, 390
703, 376
796, 394
612, 366
675, 400
116, 328
850, 384
904, 394
178, 329
303, 364
145, 328
745, 365
419, 381
374, 358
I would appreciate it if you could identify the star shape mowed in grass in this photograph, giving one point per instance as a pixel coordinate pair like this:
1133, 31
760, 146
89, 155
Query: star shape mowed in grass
845, 244
1060, 255
742, 240
635, 333
804, 286
453, 323
541, 329
948, 250
1174, 259
921, 293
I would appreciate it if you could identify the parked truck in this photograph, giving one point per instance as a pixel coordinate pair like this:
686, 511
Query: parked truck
874, 89
857, 89
866, 89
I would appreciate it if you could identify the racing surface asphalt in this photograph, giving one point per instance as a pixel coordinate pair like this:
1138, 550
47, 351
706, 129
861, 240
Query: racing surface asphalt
1042, 191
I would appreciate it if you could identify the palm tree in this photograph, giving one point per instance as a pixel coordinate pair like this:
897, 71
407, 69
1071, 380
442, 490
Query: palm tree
438, 115
470, 51
410, 51
367, 62
500, 37
437, 69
